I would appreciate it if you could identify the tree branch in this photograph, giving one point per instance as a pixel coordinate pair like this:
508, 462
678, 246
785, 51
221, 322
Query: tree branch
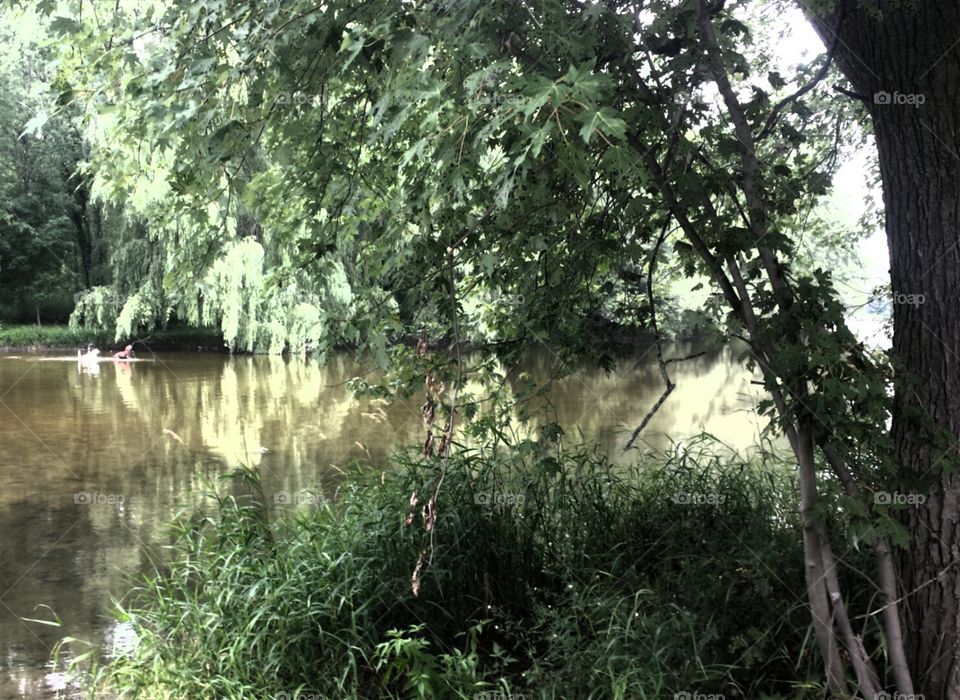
782, 104
656, 336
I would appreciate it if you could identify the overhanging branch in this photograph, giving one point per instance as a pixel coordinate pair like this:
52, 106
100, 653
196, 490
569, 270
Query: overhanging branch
670, 386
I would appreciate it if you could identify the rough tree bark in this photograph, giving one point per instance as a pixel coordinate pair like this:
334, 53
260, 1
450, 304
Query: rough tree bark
904, 59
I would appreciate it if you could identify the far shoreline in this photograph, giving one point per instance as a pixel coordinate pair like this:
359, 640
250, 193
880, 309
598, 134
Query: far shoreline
60, 337
28, 338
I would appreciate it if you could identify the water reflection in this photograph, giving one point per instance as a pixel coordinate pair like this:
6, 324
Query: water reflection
96, 457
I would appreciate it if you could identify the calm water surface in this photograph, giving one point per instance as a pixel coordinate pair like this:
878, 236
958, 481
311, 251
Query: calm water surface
90, 472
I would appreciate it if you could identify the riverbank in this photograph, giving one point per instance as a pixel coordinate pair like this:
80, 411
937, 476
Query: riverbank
552, 576
108, 430
61, 337
620, 339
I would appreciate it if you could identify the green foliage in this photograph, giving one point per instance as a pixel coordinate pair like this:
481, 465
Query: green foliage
96, 309
405, 660
46, 242
54, 336
50, 336
258, 310
554, 575
339, 162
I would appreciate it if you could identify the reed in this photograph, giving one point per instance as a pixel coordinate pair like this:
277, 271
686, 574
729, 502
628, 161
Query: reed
554, 575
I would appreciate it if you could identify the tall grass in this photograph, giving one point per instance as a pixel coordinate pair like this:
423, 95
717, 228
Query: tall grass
554, 575
62, 336
26, 336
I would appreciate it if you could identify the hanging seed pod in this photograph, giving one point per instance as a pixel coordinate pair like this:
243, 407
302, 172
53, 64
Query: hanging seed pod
414, 499
415, 578
429, 515
428, 445
444, 445
429, 412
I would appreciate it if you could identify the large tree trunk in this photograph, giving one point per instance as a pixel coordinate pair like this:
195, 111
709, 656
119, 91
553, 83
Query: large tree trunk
922, 202
906, 61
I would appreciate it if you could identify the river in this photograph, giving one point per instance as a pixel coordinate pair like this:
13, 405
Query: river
95, 460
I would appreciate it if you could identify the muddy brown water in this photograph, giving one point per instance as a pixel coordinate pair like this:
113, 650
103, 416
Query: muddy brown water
95, 459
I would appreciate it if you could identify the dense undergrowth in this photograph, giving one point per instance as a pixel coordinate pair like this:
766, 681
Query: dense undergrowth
62, 336
23, 336
554, 575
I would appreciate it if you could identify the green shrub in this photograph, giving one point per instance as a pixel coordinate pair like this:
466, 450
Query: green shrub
554, 574
49, 336
54, 336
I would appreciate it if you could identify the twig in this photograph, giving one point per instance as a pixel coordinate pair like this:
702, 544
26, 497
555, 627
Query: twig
820, 75
854, 95
656, 335
448, 438
429, 513
692, 356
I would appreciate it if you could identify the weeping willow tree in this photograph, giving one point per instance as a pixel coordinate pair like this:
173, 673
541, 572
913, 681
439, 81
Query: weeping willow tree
219, 239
